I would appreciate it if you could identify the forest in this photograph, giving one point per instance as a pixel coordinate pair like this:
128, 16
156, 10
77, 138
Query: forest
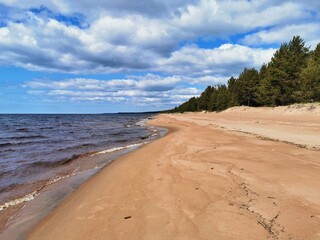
292, 76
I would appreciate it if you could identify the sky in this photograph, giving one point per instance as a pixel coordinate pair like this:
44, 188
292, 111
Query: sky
102, 56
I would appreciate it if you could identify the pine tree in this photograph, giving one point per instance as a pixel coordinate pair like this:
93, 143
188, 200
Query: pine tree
205, 98
233, 92
264, 93
223, 98
310, 78
247, 84
285, 69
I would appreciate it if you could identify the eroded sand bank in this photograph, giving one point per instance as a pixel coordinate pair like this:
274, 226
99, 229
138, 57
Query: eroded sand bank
204, 181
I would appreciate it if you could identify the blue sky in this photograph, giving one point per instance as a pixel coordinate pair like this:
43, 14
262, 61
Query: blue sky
109, 56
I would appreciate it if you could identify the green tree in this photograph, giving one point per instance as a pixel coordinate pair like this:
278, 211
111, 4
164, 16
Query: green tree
268, 93
212, 106
203, 102
222, 98
285, 69
233, 92
310, 78
247, 84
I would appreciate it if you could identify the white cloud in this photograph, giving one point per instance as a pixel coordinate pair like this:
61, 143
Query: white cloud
310, 32
124, 37
82, 84
156, 83
164, 92
148, 82
150, 8
108, 45
228, 17
226, 60
210, 80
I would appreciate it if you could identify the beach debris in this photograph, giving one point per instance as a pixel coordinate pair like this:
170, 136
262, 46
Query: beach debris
127, 217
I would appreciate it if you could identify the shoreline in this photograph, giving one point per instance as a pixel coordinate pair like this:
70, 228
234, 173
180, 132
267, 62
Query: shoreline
28, 211
197, 182
22, 214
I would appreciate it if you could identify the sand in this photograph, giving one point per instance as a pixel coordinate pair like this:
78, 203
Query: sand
240, 174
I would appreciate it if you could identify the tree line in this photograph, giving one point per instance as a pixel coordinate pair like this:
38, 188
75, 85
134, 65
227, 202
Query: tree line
292, 76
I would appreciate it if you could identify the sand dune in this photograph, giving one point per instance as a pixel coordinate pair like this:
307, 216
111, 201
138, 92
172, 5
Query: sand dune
204, 180
297, 124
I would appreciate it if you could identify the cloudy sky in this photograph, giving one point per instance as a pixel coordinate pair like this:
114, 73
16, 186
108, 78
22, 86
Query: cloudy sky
108, 56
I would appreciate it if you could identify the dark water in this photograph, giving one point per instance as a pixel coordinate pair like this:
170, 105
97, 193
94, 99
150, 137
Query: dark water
35, 148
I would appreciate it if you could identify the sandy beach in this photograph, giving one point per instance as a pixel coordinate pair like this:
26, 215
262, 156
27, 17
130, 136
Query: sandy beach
240, 174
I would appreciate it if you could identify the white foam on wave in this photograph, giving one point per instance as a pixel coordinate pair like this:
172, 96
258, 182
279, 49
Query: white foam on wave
26, 198
31, 196
58, 178
118, 148
142, 123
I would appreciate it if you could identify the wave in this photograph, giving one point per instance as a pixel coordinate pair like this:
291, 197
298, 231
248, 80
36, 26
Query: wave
31, 196
141, 123
19, 143
121, 133
121, 140
110, 150
33, 167
145, 137
6, 144
26, 137
22, 130
46, 128
49, 164
17, 201
77, 147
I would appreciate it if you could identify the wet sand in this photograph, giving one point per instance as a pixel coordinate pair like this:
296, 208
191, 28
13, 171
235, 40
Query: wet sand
239, 174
